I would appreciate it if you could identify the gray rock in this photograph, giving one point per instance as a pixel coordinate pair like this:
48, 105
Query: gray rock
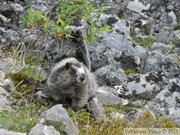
102, 56
163, 48
144, 86
2, 76
114, 40
6, 132
119, 25
110, 76
11, 36
96, 108
166, 36
151, 61
137, 6
5, 100
140, 51
8, 85
108, 98
58, 116
173, 58
43, 130
167, 102
117, 115
3, 18
129, 61
115, 49
12, 11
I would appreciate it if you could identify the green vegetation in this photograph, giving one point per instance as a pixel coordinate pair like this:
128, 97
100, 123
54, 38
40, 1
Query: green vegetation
148, 41
133, 71
20, 120
147, 120
171, 44
67, 13
25, 117
177, 27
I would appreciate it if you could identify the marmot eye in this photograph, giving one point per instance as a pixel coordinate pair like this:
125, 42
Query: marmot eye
68, 65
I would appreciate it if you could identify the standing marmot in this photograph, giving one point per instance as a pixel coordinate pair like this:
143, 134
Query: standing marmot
71, 79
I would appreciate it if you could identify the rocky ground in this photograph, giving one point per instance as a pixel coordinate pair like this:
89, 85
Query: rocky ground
137, 66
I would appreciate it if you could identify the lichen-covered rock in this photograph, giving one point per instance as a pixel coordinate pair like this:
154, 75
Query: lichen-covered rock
5, 100
144, 86
163, 48
151, 61
112, 50
58, 116
110, 76
167, 102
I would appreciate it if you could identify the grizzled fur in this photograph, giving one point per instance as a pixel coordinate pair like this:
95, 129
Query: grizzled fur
71, 79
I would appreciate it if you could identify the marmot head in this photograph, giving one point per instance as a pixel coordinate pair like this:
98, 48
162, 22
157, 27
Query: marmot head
76, 72
67, 73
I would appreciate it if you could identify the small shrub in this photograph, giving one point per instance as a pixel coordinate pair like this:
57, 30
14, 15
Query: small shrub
67, 13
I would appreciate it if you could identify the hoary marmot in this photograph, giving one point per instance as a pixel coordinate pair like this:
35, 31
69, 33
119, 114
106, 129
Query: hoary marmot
71, 79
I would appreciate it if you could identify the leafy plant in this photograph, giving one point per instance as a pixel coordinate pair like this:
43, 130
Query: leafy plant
58, 20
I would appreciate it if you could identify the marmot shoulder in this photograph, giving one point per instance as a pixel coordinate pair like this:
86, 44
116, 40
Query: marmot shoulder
71, 79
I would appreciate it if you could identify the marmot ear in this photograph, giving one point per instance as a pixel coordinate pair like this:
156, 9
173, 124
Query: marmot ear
68, 65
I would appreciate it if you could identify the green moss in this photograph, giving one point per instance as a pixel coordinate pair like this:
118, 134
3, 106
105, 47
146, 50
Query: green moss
145, 121
117, 108
165, 123
133, 71
177, 27
171, 44
22, 82
146, 41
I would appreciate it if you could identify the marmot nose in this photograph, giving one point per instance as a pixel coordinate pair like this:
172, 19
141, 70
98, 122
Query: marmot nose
82, 78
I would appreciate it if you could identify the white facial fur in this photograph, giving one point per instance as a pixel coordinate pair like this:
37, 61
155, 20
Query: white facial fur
79, 71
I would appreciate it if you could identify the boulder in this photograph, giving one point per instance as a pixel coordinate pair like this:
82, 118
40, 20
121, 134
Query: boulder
110, 76
114, 49
143, 86
58, 116
106, 97
43, 130
12, 11
96, 108
5, 100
